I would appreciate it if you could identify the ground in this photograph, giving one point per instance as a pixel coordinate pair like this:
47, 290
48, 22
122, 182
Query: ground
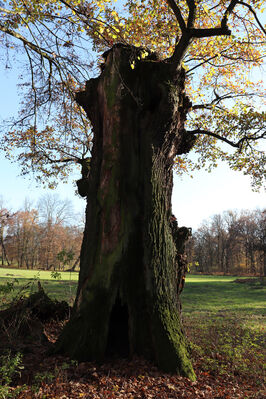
224, 323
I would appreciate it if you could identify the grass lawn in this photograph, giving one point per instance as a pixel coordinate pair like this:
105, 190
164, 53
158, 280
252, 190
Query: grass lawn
225, 323
33, 274
202, 294
220, 294
60, 286
223, 320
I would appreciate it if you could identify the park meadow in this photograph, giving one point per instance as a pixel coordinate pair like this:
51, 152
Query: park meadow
223, 317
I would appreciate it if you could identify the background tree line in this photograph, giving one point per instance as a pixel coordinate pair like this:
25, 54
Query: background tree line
230, 243
41, 237
45, 237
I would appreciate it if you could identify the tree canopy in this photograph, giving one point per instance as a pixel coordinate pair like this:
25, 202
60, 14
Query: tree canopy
59, 45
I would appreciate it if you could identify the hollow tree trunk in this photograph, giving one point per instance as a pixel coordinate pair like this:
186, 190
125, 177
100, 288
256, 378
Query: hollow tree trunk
132, 263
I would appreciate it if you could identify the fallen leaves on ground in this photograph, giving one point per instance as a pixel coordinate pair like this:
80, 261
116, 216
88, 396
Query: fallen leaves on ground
58, 377
134, 379
62, 378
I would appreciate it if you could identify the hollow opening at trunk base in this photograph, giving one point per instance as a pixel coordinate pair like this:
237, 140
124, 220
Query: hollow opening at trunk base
118, 339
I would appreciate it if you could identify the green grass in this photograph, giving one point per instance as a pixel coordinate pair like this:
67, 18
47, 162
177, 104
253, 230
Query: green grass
32, 274
202, 294
224, 320
16, 282
220, 297
225, 324
220, 294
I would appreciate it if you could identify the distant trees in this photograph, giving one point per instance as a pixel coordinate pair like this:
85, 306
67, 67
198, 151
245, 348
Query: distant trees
4, 215
43, 237
40, 238
230, 243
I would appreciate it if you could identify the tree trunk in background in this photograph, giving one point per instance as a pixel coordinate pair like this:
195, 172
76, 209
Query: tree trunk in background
4, 254
132, 264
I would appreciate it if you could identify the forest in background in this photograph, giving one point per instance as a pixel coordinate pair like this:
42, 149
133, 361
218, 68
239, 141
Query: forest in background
46, 236
230, 243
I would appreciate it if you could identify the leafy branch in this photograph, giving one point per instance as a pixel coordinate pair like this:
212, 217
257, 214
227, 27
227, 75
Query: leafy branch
238, 144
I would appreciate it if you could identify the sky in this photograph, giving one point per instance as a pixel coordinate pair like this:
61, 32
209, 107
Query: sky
194, 200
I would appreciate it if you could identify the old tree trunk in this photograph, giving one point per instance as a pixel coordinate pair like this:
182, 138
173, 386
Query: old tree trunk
132, 268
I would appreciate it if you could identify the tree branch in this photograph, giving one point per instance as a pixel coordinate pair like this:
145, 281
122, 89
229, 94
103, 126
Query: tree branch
208, 133
44, 53
66, 160
255, 15
84, 18
219, 99
181, 48
172, 4
205, 61
230, 142
208, 32
192, 13
189, 33
227, 13
8, 11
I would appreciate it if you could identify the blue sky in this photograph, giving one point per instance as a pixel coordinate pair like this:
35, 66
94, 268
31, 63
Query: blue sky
193, 199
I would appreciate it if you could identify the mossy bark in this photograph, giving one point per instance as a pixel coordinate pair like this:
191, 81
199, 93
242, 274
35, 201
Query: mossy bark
128, 294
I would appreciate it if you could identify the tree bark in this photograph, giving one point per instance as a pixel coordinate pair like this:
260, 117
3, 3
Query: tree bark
4, 254
132, 264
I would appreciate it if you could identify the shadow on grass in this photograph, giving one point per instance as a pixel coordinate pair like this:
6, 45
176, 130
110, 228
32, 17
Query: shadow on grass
216, 296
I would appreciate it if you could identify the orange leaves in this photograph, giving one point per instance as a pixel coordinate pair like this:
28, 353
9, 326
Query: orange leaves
119, 379
180, 165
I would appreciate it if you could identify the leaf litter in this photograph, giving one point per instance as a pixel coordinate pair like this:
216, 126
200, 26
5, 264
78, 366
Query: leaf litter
58, 377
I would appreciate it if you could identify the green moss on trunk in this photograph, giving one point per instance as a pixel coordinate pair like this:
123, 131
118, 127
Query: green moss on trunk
129, 257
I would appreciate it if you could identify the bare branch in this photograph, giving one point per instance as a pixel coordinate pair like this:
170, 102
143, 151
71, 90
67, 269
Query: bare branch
172, 4
227, 96
181, 48
44, 53
208, 32
254, 14
192, 13
8, 11
208, 60
238, 144
65, 160
189, 33
227, 13
84, 18
217, 136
